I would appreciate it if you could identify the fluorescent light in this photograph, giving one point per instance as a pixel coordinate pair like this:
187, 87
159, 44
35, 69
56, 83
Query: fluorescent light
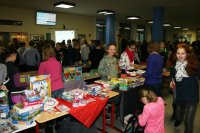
185, 29
64, 5
132, 17
166, 25
150, 22
140, 29
100, 25
119, 27
106, 12
127, 28
176, 27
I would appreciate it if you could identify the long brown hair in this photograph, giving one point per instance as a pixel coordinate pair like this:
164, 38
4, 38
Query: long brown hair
150, 95
192, 66
48, 51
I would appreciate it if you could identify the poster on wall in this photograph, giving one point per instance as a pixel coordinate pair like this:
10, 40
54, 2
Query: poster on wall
182, 38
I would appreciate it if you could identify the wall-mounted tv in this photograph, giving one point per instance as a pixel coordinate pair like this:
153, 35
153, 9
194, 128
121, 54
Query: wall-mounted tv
45, 18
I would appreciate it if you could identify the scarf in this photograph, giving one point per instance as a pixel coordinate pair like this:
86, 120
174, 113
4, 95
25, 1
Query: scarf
181, 72
130, 55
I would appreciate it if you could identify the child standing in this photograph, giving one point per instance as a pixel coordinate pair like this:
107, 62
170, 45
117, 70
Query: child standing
108, 66
185, 72
153, 113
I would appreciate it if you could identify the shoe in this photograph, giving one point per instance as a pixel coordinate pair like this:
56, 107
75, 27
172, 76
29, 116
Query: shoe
176, 124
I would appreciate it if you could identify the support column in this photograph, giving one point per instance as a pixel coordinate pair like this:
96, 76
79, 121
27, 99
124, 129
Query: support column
133, 32
110, 28
158, 30
147, 32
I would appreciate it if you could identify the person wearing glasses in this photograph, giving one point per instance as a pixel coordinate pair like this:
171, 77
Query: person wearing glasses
129, 57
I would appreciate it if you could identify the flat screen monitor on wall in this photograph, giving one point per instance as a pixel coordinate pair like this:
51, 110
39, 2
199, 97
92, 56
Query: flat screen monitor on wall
44, 18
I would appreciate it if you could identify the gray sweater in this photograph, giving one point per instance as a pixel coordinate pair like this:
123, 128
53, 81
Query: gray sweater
3, 73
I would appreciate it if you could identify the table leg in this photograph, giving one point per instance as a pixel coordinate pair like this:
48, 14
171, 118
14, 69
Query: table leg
112, 115
37, 128
104, 120
122, 109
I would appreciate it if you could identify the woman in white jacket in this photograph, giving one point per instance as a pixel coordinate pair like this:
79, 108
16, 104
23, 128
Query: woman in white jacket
127, 58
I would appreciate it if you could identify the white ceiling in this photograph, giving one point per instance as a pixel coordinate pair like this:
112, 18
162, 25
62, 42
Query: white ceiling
185, 13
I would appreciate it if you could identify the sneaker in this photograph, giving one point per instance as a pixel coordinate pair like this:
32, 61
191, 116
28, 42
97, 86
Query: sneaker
176, 124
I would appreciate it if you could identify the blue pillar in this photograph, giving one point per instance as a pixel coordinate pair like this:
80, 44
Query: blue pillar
110, 28
158, 19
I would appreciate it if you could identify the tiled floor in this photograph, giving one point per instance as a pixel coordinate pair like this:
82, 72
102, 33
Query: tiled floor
168, 123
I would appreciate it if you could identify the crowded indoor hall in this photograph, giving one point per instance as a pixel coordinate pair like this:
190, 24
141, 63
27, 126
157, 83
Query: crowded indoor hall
74, 66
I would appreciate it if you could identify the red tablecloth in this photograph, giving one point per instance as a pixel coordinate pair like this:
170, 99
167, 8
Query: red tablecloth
88, 113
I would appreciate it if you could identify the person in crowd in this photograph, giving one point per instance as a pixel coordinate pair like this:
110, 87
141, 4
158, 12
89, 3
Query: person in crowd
153, 113
76, 55
13, 74
127, 58
96, 55
31, 57
59, 52
163, 52
153, 74
108, 66
69, 44
144, 51
51, 66
85, 51
185, 73
1, 52
3, 76
122, 42
20, 50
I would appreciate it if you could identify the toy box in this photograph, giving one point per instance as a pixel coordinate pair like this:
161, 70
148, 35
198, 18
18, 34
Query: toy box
72, 73
41, 86
4, 107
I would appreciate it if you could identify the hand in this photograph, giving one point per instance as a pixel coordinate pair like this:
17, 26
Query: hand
4, 88
172, 84
109, 77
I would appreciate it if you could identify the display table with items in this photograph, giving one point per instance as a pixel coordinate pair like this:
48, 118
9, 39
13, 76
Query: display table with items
127, 87
91, 76
83, 102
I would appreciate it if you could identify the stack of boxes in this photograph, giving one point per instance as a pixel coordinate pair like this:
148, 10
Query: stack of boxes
4, 106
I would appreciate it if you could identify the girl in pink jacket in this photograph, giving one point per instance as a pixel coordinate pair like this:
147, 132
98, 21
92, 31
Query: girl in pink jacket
153, 113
